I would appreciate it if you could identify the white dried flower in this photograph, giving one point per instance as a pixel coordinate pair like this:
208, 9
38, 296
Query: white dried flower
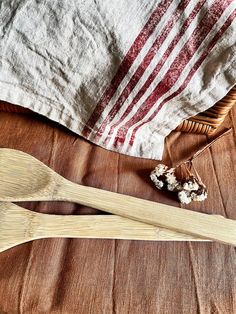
191, 185
170, 187
171, 178
160, 170
174, 187
153, 176
184, 197
199, 198
188, 190
158, 183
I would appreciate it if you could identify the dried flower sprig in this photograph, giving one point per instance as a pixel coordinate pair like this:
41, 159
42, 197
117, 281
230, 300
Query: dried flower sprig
181, 180
188, 189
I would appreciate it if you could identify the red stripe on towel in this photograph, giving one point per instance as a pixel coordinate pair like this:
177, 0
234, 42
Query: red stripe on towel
177, 67
158, 67
126, 64
191, 73
144, 64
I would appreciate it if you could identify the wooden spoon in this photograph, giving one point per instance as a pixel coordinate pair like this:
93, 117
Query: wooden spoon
19, 225
24, 178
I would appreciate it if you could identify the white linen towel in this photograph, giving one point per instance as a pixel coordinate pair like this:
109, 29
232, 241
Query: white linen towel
121, 73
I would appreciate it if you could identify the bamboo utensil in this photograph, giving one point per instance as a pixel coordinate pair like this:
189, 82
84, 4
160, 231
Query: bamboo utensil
24, 178
19, 225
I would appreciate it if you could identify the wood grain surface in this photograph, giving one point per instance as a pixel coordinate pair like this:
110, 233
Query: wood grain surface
116, 276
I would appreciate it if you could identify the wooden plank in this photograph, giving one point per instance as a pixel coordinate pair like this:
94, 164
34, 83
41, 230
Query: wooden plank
86, 276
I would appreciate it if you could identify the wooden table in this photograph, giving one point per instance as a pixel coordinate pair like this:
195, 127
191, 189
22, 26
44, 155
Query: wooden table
113, 276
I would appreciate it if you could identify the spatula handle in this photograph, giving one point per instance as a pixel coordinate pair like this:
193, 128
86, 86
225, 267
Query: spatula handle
103, 226
185, 221
19, 225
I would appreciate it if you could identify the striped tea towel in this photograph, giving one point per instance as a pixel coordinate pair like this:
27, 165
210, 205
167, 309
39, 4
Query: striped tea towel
121, 73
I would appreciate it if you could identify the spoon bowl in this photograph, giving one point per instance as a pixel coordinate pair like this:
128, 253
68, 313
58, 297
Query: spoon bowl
23, 176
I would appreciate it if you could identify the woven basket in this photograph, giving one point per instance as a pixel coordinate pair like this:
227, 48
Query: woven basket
204, 123
208, 121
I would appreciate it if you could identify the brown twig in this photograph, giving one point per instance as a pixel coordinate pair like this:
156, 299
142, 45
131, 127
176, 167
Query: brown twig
200, 151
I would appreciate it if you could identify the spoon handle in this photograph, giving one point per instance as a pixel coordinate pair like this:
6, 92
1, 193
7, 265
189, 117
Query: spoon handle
206, 226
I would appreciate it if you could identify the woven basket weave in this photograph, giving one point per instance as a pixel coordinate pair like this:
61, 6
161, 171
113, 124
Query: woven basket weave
208, 121
204, 123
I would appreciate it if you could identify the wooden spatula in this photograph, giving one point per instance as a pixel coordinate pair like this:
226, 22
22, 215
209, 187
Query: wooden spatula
24, 178
19, 225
